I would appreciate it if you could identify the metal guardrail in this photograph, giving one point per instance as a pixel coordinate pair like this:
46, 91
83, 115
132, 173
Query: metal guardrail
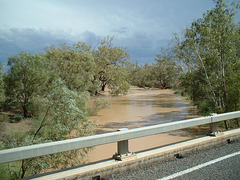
26, 152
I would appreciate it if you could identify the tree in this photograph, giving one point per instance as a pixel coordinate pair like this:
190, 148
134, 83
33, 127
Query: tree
210, 51
141, 76
64, 112
110, 66
166, 70
162, 74
57, 83
26, 79
2, 93
135, 71
75, 65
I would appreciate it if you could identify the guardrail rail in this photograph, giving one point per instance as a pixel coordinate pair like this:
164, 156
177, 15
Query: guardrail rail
121, 137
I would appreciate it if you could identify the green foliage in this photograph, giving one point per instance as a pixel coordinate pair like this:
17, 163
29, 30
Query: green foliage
73, 64
233, 86
97, 104
210, 53
2, 92
65, 113
118, 84
111, 71
15, 118
144, 76
67, 110
162, 74
26, 79
20, 169
166, 70
53, 88
85, 69
9, 170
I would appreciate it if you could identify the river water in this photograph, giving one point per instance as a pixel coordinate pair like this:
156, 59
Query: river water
142, 107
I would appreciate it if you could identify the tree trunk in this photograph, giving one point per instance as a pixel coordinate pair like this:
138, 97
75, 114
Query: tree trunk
226, 126
23, 169
25, 111
103, 87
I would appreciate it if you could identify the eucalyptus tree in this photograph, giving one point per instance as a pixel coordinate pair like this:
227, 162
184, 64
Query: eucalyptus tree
166, 70
26, 79
161, 74
64, 116
59, 81
74, 64
142, 75
111, 69
210, 51
134, 70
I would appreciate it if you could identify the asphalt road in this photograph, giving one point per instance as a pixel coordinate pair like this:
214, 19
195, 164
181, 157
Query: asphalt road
221, 162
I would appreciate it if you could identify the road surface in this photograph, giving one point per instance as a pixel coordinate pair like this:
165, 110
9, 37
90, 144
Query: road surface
219, 162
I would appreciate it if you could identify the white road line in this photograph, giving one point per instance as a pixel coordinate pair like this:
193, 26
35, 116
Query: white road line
199, 166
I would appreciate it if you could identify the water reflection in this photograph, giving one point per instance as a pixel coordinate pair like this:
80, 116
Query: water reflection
143, 108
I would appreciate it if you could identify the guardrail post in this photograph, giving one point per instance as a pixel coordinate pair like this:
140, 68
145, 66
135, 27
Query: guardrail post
213, 126
122, 146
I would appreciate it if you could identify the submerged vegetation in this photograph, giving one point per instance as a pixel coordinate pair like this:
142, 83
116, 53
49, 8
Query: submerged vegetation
52, 89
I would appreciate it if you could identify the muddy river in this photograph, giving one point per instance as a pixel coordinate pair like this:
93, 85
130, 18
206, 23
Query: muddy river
142, 107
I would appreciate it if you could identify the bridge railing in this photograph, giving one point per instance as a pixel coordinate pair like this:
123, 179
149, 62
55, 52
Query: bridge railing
26, 152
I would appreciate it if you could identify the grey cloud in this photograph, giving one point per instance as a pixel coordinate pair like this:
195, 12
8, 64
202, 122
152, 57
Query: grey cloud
30, 40
15, 40
89, 37
141, 46
121, 30
144, 47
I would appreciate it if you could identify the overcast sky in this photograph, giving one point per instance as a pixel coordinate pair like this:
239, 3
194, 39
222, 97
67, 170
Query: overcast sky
143, 26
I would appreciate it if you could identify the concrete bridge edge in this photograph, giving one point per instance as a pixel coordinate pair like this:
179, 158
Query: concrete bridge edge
109, 167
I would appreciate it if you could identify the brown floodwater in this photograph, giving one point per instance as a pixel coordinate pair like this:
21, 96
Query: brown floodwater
143, 107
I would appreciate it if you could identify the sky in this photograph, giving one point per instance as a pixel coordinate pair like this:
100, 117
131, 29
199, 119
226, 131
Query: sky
143, 26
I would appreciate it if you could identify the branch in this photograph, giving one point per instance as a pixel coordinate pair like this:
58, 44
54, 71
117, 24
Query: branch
42, 124
206, 75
